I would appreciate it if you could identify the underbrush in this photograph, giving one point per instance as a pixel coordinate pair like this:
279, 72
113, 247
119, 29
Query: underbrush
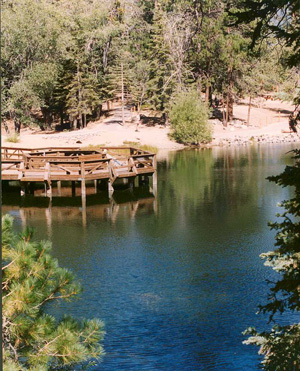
13, 138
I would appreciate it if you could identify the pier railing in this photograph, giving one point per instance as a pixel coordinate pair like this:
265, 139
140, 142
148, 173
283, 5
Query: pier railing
72, 164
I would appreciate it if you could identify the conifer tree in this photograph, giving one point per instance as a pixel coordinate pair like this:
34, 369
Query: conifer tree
32, 280
281, 345
160, 88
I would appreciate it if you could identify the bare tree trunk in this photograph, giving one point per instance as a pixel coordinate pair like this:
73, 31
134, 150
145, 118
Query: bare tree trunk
105, 54
224, 115
84, 120
249, 110
207, 94
227, 109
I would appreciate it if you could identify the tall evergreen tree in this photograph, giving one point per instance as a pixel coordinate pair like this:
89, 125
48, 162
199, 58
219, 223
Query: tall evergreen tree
281, 345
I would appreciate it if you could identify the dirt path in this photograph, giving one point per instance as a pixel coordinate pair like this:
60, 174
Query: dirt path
269, 120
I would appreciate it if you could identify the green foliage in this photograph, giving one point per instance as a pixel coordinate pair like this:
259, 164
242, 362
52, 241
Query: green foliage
13, 138
22, 101
281, 345
66, 61
189, 119
282, 18
32, 279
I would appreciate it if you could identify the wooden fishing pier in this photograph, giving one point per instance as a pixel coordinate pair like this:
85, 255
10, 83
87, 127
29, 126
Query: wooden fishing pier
51, 166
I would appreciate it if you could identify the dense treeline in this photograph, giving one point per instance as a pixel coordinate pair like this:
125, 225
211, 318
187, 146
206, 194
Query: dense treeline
61, 60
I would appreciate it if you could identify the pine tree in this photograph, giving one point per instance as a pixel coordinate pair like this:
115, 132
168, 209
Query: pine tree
32, 279
160, 85
281, 345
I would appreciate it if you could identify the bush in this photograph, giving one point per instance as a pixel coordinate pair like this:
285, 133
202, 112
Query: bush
13, 138
189, 119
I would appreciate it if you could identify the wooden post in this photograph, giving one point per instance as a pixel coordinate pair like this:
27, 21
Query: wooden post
48, 189
21, 171
83, 189
110, 188
96, 185
59, 187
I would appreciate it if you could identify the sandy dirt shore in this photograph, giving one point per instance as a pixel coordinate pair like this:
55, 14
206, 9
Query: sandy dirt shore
269, 120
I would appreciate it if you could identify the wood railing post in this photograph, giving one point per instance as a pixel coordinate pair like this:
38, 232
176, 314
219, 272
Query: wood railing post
154, 176
83, 188
47, 179
21, 171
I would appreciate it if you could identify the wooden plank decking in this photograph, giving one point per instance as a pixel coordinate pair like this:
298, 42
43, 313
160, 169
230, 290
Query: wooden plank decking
48, 165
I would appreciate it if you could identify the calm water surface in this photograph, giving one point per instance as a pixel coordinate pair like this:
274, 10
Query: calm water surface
175, 278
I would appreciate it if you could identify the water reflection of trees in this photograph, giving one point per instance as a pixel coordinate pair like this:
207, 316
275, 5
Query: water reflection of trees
221, 183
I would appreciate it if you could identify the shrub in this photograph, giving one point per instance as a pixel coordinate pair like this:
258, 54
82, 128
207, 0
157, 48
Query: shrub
189, 119
13, 138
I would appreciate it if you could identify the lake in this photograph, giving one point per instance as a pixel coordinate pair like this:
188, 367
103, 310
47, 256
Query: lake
176, 277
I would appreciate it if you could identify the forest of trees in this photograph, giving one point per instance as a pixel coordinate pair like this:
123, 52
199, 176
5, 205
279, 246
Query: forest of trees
61, 60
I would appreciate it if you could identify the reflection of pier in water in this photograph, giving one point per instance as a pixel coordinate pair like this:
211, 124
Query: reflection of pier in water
124, 204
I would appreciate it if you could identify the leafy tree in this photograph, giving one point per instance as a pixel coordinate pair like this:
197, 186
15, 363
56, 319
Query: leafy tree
281, 18
281, 345
189, 119
31, 280
21, 102
42, 79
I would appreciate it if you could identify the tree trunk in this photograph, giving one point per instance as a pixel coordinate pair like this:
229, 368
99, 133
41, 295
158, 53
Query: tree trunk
17, 124
75, 124
207, 94
61, 118
99, 112
230, 107
80, 121
224, 114
6, 127
227, 109
84, 120
249, 110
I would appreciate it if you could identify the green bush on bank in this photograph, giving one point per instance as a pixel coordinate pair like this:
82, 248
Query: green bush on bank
189, 119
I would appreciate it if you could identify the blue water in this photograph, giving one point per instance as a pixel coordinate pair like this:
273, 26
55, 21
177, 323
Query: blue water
175, 278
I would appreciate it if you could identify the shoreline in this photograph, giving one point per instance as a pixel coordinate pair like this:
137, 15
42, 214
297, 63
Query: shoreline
267, 125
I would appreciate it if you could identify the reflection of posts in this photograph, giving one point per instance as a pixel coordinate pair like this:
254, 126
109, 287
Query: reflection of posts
83, 211
114, 211
133, 209
23, 218
48, 214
